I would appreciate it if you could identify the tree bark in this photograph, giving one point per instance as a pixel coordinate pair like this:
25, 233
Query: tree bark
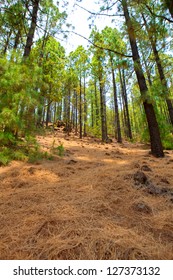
103, 110
117, 119
7, 42
32, 28
124, 95
96, 104
48, 113
156, 145
85, 109
80, 109
76, 113
160, 70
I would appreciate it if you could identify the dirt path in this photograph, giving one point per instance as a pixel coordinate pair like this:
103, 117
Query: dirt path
97, 202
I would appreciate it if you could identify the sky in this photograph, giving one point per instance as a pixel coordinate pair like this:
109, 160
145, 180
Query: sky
79, 19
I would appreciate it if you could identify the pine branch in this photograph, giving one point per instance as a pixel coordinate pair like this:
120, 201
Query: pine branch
101, 47
159, 16
100, 14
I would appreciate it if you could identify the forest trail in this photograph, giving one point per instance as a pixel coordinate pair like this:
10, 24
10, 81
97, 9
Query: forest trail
98, 201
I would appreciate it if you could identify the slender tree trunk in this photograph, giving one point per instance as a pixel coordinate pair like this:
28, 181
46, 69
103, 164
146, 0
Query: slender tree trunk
59, 110
161, 72
68, 123
54, 114
92, 111
17, 39
117, 119
85, 109
76, 113
43, 116
103, 110
124, 95
7, 42
32, 28
40, 112
122, 117
126, 104
48, 113
96, 104
80, 109
156, 145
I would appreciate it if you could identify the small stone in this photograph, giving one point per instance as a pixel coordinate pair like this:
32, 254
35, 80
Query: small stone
164, 180
154, 190
109, 140
140, 178
31, 170
136, 165
72, 161
142, 207
146, 168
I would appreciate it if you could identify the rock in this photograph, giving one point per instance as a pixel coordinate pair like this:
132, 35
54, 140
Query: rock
146, 168
31, 170
142, 207
72, 161
165, 191
108, 141
60, 123
136, 165
140, 178
164, 180
154, 190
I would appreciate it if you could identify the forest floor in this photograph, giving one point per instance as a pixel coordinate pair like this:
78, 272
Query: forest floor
98, 201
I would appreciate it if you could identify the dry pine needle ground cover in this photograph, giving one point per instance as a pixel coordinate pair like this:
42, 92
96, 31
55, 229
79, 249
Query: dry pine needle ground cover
97, 202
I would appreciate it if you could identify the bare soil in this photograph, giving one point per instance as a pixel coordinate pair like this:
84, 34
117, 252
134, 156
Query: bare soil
98, 201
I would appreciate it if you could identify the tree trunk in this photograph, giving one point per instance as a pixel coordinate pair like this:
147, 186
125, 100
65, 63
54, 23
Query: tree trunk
92, 112
124, 95
48, 113
32, 28
156, 145
161, 72
17, 39
96, 104
68, 123
80, 109
76, 113
7, 42
85, 109
103, 110
117, 119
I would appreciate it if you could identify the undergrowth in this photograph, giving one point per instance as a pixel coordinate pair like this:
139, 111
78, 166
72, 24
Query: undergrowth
26, 149
58, 150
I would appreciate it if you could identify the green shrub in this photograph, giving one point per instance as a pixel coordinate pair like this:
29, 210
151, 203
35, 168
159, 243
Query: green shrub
4, 159
60, 150
20, 155
168, 142
7, 138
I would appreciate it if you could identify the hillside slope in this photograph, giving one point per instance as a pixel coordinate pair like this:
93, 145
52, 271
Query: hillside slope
99, 201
